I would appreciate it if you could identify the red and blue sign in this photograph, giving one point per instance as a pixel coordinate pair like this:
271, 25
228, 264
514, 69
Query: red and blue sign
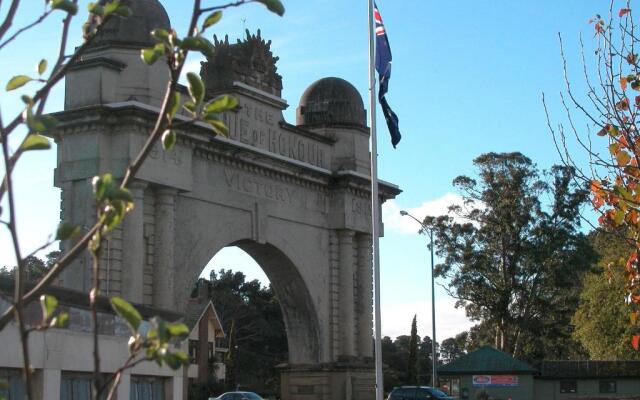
495, 380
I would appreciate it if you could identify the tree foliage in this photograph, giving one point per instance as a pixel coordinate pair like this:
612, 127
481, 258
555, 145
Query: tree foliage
453, 348
413, 366
514, 263
252, 313
602, 318
29, 129
610, 108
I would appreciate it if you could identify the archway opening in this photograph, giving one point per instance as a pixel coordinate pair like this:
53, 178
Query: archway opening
264, 312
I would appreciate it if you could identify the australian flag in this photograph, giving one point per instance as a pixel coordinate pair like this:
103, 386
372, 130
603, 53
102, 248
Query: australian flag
383, 66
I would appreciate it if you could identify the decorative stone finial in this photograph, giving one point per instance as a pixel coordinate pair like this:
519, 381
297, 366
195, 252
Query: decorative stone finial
249, 61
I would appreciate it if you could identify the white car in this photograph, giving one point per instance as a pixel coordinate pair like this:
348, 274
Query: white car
237, 396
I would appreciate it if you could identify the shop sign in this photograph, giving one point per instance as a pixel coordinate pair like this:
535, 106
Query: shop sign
495, 380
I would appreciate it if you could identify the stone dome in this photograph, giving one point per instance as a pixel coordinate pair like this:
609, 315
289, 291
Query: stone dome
147, 15
331, 102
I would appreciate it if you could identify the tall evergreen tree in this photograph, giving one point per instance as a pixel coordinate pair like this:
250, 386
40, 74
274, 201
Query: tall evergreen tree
413, 367
514, 263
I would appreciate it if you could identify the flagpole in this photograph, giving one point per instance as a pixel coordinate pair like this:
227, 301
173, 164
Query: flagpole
375, 209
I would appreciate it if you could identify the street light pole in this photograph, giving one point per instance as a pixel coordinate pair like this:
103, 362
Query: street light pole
434, 375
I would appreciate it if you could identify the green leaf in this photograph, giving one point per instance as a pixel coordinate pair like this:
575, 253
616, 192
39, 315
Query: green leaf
176, 360
49, 305
65, 5
219, 127
39, 123
212, 19
96, 9
61, 321
42, 66
103, 186
122, 194
274, 6
174, 105
35, 142
163, 332
196, 88
17, 82
178, 330
152, 54
67, 231
127, 312
190, 106
117, 9
168, 139
149, 56
198, 44
161, 35
221, 104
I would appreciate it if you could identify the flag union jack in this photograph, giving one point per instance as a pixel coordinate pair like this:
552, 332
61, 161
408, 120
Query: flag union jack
383, 66
379, 25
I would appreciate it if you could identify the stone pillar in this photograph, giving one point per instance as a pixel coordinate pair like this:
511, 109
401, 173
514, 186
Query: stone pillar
124, 388
163, 274
133, 247
365, 296
51, 380
346, 298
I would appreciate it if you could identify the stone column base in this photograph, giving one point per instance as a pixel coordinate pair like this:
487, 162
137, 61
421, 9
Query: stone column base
335, 381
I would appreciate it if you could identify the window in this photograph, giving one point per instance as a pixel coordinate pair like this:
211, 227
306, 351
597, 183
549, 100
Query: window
73, 387
404, 393
450, 386
78, 386
146, 388
423, 394
193, 351
608, 386
569, 386
13, 378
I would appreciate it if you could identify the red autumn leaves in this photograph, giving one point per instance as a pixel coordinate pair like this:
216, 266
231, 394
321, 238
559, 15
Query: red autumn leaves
618, 198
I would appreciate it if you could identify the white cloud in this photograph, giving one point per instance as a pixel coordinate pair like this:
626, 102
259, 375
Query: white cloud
396, 319
394, 222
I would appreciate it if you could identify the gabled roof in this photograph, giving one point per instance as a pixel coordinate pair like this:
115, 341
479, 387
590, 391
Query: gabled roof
195, 312
486, 360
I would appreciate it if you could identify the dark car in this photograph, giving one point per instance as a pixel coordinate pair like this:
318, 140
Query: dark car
237, 396
417, 393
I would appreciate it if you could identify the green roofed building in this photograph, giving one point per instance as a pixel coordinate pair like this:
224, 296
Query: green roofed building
500, 375
505, 378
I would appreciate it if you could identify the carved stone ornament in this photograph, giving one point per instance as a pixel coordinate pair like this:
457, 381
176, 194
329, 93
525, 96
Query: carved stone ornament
249, 61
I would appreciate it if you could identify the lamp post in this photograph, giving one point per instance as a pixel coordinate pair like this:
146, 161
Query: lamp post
434, 375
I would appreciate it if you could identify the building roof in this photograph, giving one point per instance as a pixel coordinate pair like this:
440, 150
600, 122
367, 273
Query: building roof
77, 299
195, 312
589, 369
486, 360
331, 102
146, 15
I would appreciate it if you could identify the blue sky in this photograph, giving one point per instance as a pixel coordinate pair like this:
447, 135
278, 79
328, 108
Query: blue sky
467, 79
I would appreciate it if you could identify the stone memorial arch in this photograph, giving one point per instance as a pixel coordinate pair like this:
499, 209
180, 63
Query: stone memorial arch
294, 197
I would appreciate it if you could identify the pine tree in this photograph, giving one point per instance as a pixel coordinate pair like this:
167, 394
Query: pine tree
413, 372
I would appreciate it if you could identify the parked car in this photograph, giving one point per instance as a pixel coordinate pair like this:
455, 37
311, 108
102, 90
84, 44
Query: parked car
237, 396
417, 393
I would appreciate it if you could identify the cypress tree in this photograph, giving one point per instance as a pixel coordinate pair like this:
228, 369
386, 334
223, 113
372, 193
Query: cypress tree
413, 368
